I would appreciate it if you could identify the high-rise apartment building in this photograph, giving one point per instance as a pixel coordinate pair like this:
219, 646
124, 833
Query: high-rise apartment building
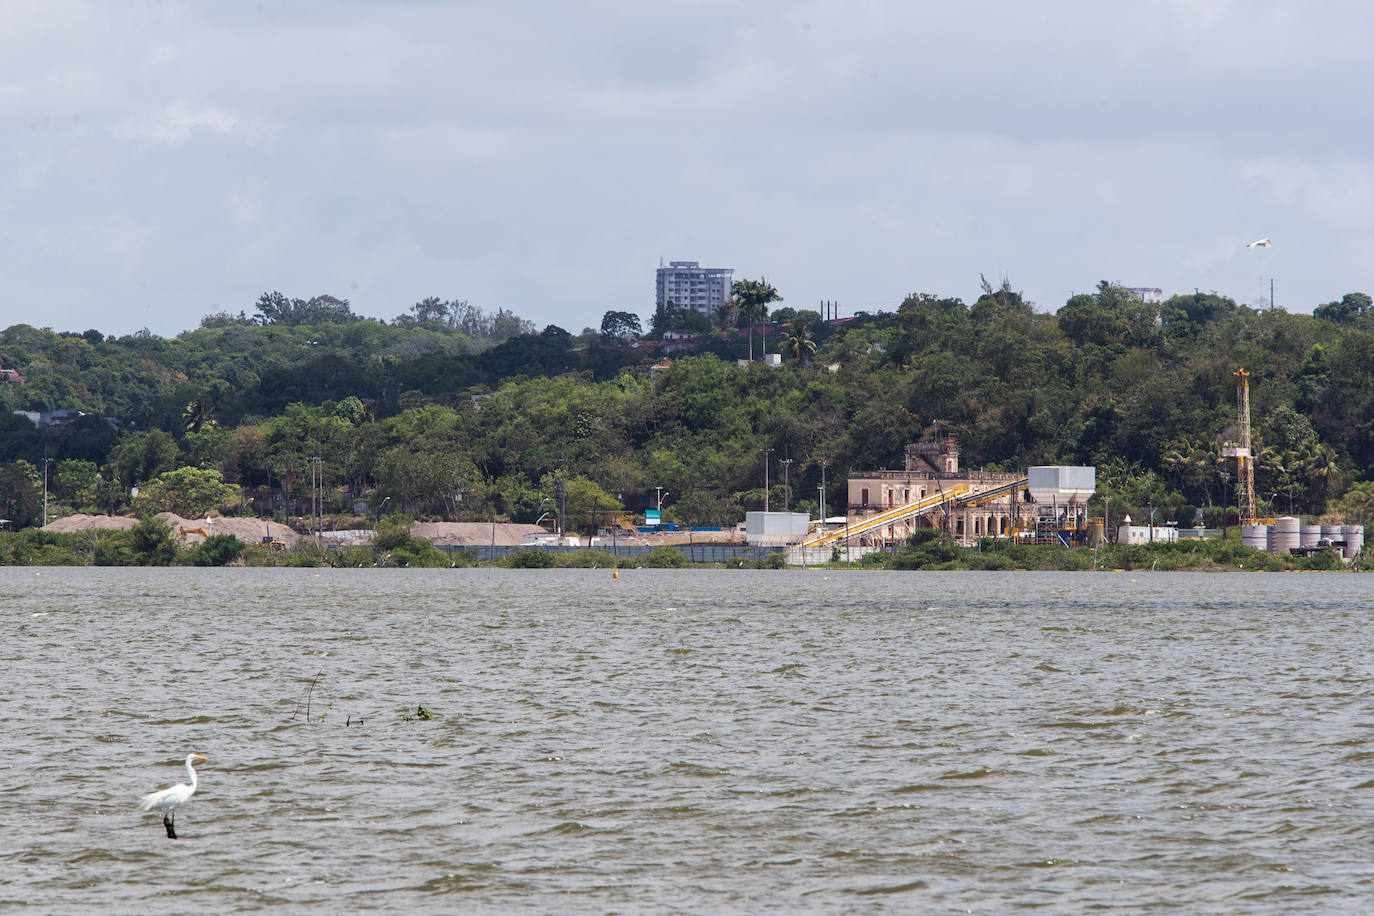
688, 285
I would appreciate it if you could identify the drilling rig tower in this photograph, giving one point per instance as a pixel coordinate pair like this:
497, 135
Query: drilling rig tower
1241, 451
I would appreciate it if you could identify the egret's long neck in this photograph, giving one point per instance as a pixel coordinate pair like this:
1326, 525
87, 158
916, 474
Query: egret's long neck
191, 774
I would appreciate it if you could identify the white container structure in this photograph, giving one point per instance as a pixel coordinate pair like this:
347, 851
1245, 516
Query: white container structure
1309, 535
1061, 484
1286, 534
1144, 534
1256, 536
1062, 491
775, 529
1354, 539
1332, 533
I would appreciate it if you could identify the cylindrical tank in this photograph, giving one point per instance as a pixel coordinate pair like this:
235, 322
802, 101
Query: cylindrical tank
1097, 531
1332, 533
1286, 534
1256, 536
1310, 535
1354, 539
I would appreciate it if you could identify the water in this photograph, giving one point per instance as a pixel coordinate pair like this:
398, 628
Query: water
695, 741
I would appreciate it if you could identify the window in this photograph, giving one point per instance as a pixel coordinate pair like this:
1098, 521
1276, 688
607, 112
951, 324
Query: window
863, 496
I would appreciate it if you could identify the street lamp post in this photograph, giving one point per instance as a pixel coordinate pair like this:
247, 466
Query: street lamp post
825, 463
766, 453
786, 485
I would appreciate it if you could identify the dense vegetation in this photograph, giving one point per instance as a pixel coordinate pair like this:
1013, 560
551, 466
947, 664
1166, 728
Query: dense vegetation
447, 412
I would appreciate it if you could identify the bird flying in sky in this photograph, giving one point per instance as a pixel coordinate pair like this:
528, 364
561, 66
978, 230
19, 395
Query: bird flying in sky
1260, 243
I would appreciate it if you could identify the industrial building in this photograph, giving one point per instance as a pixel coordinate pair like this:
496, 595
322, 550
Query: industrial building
930, 490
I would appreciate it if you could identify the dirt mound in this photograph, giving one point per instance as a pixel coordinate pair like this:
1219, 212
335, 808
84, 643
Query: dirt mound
474, 534
80, 522
193, 530
248, 530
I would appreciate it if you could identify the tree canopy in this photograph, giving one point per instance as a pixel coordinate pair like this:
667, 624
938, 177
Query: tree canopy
437, 417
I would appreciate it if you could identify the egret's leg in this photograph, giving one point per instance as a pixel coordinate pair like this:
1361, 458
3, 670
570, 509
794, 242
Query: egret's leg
167, 822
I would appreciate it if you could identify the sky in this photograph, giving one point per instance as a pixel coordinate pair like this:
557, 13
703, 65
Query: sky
166, 160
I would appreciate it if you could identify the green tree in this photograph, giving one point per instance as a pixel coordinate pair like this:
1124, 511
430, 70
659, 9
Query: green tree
276, 309
21, 494
188, 491
620, 325
75, 482
142, 455
1357, 505
1351, 307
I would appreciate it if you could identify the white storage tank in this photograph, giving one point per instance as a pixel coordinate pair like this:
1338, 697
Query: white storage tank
1332, 533
1310, 535
1354, 539
1256, 536
1286, 534
1061, 485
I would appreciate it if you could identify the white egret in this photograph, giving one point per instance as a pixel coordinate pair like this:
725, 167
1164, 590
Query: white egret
167, 800
1260, 243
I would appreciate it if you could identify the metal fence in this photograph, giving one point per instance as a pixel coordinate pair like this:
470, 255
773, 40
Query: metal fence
696, 553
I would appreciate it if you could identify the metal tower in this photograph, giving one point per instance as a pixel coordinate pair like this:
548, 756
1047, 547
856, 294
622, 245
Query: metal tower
1245, 461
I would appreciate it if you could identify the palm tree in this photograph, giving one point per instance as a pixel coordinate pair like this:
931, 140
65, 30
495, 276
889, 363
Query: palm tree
751, 298
799, 344
199, 414
1322, 468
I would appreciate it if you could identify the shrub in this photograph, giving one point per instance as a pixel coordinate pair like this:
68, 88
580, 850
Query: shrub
666, 558
217, 550
152, 543
529, 559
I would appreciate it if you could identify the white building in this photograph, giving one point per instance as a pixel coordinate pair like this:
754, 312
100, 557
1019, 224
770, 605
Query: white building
1150, 295
688, 285
1144, 534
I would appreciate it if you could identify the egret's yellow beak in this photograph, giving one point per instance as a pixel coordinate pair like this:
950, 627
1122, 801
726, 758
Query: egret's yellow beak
201, 757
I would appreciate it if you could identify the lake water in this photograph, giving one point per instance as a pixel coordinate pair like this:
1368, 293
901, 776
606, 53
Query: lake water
694, 741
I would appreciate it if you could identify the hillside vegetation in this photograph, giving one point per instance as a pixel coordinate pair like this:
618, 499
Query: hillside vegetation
449, 413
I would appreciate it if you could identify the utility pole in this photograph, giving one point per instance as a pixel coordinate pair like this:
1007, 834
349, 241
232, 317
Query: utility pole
825, 463
658, 501
46, 461
766, 453
787, 485
316, 496
562, 496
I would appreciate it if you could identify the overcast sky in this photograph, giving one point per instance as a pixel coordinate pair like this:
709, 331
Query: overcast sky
164, 160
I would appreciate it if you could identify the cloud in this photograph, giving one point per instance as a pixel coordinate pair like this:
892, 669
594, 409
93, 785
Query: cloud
542, 156
177, 122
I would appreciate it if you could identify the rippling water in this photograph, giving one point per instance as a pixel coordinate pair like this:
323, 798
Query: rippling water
687, 740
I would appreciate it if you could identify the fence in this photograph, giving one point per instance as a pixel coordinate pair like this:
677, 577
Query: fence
696, 553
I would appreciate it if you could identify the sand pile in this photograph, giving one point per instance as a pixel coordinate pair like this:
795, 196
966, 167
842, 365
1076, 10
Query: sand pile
80, 522
474, 534
248, 530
